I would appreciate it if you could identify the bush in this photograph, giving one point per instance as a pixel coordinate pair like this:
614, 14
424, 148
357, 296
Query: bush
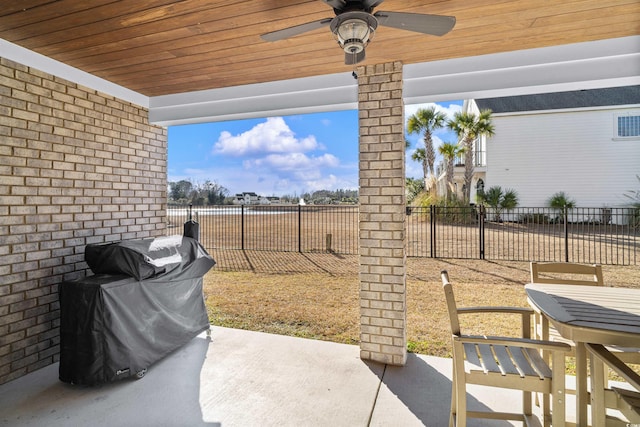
634, 218
455, 211
534, 218
423, 200
419, 207
414, 187
448, 211
634, 195
499, 200
561, 202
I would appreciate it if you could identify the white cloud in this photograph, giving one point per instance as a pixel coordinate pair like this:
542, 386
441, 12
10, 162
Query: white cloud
294, 168
271, 136
271, 160
294, 161
195, 172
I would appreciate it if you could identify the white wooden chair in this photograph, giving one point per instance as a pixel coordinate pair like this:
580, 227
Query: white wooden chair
506, 362
602, 397
567, 273
562, 273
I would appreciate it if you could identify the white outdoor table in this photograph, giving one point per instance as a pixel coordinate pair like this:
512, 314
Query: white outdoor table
589, 314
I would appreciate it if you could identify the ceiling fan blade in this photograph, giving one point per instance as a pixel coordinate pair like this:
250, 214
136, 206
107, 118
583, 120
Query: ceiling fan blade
370, 4
336, 4
354, 58
437, 25
294, 31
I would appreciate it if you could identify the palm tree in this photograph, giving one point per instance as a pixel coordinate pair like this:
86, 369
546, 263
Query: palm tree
499, 200
469, 128
562, 203
420, 156
425, 121
450, 151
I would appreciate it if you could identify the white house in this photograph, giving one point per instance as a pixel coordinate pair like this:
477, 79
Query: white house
251, 198
246, 198
585, 143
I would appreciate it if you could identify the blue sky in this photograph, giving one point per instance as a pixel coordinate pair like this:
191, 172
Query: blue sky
276, 156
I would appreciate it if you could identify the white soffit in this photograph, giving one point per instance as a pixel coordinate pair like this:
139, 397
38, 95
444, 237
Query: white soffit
43, 63
605, 63
599, 64
297, 96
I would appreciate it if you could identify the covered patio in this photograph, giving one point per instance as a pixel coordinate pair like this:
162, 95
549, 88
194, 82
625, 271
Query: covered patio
88, 90
245, 378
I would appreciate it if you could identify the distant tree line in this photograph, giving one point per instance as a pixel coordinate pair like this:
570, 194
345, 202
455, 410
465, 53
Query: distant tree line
186, 192
206, 193
329, 197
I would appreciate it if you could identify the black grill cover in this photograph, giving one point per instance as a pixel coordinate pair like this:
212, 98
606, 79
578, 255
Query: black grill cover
114, 326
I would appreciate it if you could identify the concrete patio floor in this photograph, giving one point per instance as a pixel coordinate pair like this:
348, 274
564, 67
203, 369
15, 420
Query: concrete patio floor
245, 378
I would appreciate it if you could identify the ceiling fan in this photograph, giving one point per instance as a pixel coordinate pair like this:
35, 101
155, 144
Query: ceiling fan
355, 23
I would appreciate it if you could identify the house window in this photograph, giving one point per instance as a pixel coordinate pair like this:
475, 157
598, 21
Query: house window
627, 126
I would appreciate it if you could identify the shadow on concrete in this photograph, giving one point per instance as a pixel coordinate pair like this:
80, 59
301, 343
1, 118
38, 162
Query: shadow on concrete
157, 399
424, 388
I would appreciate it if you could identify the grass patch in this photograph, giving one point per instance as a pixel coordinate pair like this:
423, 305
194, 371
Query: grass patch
317, 296
322, 301
309, 305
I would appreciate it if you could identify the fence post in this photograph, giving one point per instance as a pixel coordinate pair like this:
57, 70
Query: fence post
407, 212
565, 214
242, 226
300, 228
432, 223
481, 216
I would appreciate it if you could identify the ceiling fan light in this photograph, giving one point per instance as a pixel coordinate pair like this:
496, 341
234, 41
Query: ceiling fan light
354, 30
353, 46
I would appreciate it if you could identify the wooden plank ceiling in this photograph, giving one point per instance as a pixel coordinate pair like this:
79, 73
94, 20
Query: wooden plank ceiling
159, 47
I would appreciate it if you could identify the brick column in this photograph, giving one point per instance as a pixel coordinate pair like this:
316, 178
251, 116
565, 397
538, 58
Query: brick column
383, 312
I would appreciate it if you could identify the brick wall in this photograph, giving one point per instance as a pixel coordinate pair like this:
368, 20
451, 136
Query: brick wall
382, 214
76, 167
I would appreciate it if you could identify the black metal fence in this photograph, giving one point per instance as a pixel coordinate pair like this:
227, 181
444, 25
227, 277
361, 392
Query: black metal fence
286, 228
590, 235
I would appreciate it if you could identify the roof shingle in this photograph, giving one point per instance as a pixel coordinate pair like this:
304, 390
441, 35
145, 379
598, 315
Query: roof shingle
626, 95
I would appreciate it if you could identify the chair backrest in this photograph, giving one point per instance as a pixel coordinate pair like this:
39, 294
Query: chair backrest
451, 303
567, 273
